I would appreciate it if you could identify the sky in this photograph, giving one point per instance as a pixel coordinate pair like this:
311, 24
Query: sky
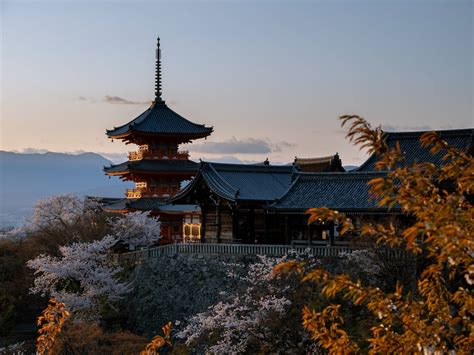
271, 77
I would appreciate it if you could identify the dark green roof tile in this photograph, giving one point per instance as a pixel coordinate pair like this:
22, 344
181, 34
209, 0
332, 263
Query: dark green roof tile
410, 145
239, 182
341, 191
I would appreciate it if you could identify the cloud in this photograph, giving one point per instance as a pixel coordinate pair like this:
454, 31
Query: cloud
120, 100
30, 150
109, 99
230, 159
241, 146
283, 145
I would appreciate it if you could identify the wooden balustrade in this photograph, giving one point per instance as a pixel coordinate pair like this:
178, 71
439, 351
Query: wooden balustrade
244, 249
158, 154
151, 192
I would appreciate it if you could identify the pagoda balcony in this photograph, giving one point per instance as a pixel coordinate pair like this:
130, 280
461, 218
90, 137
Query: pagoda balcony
158, 154
152, 192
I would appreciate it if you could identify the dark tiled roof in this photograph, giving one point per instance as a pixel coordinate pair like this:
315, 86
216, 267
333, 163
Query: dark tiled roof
410, 145
159, 119
144, 204
180, 209
239, 182
154, 165
340, 191
148, 204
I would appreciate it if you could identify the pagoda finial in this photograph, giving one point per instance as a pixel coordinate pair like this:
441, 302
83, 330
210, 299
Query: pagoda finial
158, 72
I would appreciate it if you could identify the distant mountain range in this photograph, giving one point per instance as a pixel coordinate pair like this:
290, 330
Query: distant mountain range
27, 178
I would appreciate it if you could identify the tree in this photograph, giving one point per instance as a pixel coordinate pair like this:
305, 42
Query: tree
254, 316
62, 219
136, 229
83, 277
438, 316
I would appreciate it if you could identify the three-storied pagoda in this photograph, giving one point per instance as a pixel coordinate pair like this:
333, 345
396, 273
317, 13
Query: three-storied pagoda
158, 167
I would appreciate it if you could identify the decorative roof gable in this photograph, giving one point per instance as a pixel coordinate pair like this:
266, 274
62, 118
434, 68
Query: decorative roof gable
239, 182
320, 164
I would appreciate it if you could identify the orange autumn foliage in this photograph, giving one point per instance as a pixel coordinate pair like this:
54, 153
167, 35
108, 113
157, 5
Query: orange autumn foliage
437, 317
159, 341
50, 322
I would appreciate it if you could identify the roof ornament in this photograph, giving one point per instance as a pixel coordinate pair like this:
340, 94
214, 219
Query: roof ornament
158, 72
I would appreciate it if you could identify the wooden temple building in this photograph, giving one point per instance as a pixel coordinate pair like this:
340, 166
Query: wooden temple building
234, 198
158, 167
266, 204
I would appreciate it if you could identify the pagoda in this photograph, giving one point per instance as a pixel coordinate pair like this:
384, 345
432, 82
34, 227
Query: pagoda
158, 167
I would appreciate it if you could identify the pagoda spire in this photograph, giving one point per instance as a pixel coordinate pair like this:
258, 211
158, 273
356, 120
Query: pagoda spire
158, 72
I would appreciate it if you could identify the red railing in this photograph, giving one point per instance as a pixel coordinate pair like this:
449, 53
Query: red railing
158, 154
152, 192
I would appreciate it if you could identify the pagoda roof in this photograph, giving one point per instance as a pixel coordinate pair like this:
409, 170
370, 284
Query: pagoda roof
153, 166
241, 182
414, 152
160, 120
342, 191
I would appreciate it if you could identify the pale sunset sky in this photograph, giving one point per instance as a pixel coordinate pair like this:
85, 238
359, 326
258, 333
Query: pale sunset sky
270, 76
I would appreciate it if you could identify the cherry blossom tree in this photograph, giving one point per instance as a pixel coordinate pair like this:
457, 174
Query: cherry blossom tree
62, 219
62, 211
136, 229
248, 316
82, 277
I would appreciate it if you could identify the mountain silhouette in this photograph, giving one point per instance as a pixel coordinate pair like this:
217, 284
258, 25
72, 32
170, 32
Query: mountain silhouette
27, 178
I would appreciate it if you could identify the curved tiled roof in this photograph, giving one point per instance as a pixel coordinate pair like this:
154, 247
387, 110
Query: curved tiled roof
148, 204
239, 182
159, 119
144, 204
339, 191
410, 145
154, 165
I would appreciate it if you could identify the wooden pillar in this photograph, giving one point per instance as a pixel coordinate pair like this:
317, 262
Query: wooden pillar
203, 224
235, 225
308, 235
265, 230
218, 221
287, 234
252, 226
331, 233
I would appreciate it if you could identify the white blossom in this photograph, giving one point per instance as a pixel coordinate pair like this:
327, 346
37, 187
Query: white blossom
13, 349
242, 316
82, 276
61, 211
137, 229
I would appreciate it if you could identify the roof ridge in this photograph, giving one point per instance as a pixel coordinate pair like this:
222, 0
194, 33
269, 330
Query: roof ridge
250, 167
342, 173
411, 134
225, 183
